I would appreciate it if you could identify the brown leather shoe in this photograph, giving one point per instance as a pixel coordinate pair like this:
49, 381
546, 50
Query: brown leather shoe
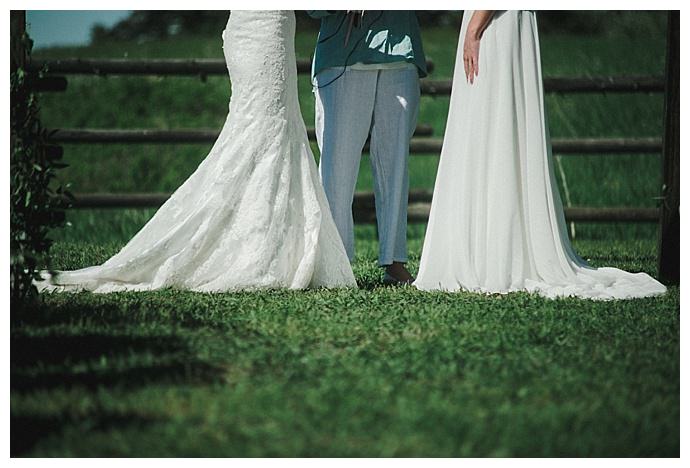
390, 280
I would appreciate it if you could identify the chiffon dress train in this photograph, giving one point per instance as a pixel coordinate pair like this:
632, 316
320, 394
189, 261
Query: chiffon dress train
496, 222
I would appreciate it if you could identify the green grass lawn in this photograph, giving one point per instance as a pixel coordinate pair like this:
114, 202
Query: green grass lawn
370, 372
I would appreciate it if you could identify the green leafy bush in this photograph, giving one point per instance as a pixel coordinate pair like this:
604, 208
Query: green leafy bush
36, 207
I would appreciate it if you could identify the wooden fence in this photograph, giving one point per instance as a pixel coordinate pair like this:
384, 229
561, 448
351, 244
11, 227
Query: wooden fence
52, 78
422, 144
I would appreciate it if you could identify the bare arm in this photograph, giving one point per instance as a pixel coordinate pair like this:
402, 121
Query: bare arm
478, 23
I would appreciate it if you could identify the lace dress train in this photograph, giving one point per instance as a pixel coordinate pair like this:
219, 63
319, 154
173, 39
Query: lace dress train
253, 215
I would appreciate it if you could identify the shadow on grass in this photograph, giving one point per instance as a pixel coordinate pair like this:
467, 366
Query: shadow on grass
76, 347
99, 359
109, 310
367, 284
27, 431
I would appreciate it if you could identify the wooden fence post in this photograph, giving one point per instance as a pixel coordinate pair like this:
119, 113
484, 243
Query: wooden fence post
17, 28
17, 53
669, 226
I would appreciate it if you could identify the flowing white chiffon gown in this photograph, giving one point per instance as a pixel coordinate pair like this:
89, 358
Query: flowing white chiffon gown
254, 214
496, 222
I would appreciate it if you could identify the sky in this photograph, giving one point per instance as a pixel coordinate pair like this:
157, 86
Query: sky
67, 27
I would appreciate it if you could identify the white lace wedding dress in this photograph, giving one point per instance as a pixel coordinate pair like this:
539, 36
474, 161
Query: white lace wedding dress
253, 215
496, 222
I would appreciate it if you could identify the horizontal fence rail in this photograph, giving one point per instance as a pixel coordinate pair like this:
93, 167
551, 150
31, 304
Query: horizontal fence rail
363, 207
180, 67
206, 67
612, 84
417, 145
565, 145
140, 135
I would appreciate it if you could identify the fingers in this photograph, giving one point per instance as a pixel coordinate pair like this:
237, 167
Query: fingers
471, 66
466, 65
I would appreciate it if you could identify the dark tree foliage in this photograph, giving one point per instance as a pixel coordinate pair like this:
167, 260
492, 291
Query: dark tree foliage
35, 207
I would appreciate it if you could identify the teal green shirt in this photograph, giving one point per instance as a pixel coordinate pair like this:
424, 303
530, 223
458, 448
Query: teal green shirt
384, 36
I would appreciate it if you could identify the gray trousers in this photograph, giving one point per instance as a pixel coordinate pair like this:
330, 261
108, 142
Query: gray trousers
385, 104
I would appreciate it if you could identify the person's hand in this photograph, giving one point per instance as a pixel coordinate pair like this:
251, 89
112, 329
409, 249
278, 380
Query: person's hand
470, 55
